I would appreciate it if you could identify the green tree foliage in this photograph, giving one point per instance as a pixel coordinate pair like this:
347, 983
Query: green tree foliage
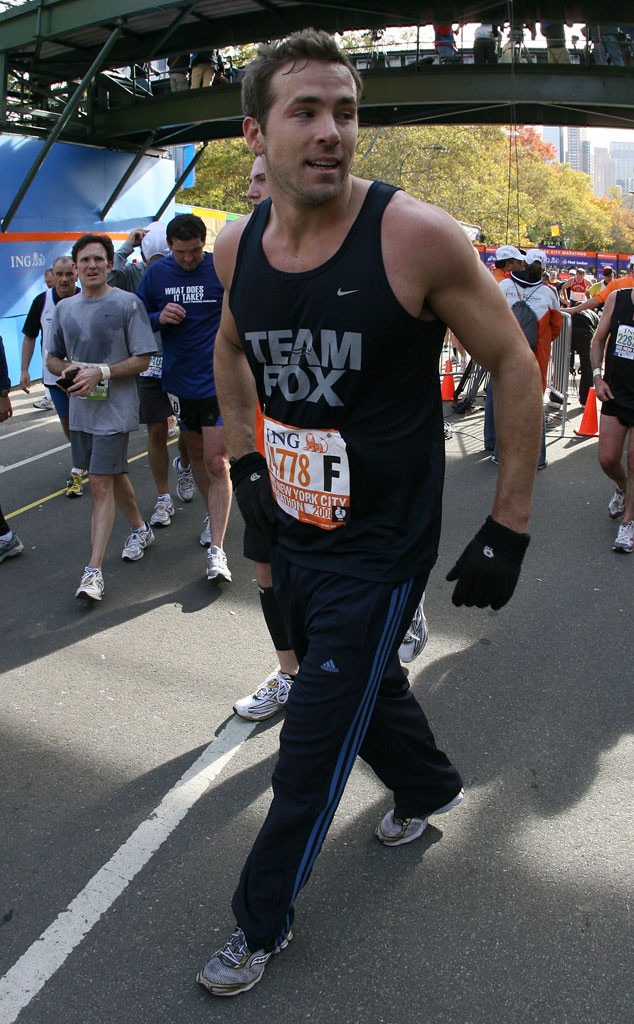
222, 177
505, 181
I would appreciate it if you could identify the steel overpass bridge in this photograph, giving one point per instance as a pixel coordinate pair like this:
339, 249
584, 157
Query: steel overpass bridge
59, 77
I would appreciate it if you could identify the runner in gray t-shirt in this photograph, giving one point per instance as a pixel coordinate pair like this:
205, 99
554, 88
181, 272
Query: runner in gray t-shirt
104, 340
106, 329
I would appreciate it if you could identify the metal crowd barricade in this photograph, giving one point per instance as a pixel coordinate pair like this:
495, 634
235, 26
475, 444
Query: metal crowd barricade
558, 372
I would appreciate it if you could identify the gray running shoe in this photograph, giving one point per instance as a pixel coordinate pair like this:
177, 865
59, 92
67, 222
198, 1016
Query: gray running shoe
205, 536
391, 831
11, 548
625, 538
163, 512
44, 405
137, 542
217, 565
234, 968
416, 637
616, 505
91, 587
185, 483
268, 699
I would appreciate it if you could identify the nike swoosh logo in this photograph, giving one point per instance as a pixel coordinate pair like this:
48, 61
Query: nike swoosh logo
352, 291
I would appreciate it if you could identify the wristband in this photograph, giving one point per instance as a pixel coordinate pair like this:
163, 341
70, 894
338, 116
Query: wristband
596, 372
106, 373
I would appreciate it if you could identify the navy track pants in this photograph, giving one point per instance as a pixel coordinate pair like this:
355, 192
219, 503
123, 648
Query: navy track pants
350, 697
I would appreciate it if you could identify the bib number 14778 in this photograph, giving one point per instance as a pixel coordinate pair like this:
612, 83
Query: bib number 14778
309, 471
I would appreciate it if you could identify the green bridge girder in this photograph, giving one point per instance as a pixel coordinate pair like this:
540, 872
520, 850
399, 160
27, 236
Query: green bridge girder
58, 58
534, 94
46, 47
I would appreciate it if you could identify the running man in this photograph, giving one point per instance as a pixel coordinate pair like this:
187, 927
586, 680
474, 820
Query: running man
100, 340
337, 297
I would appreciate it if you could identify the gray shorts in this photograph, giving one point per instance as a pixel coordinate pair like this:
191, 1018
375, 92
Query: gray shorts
102, 454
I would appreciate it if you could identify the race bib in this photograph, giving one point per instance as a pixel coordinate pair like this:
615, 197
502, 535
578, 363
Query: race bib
100, 392
624, 344
175, 403
309, 471
155, 369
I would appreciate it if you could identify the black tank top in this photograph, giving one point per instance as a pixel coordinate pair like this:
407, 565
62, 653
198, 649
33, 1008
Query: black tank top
619, 356
332, 349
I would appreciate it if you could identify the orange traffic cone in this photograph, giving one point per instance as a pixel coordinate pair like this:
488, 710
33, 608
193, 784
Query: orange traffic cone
589, 426
448, 391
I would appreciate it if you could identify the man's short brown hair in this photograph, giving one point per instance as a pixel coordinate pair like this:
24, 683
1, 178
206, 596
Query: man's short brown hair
297, 49
85, 240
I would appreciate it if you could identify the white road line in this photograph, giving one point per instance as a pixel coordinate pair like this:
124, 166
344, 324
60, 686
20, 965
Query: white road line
49, 952
23, 430
34, 458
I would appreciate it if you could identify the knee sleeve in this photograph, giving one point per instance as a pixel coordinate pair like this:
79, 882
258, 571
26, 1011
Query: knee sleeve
274, 619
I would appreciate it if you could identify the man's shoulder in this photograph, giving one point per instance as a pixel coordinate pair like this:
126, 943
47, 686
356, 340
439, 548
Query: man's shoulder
119, 295
38, 301
426, 237
68, 303
226, 248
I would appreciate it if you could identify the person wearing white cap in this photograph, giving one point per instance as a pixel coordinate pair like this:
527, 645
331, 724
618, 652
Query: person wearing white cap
525, 286
507, 259
126, 274
615, 285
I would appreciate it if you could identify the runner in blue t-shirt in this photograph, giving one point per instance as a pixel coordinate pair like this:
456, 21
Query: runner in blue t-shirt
183, 297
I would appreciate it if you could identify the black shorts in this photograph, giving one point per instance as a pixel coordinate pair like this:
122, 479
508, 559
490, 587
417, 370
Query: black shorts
197, 413
154, 405
623, 413
255, 546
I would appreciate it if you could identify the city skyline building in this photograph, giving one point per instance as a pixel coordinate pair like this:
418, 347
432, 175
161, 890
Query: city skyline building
604, 177
622, 153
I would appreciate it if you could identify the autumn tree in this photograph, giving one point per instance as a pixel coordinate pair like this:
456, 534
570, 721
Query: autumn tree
504, 180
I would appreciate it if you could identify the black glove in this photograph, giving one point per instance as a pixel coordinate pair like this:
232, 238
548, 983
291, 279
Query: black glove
252, 487
488, 569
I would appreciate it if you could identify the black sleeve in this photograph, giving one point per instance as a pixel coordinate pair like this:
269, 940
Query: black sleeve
32, 324
5, 380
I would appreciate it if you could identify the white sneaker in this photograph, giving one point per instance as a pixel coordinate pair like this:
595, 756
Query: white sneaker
43, 404
217, 565
616, 505
391, 831
625, 538
137, 542
205, 536
163, 511
185, 483
416, 637
268, 699
91, 587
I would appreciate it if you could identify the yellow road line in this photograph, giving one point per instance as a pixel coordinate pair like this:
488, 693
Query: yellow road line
56, 494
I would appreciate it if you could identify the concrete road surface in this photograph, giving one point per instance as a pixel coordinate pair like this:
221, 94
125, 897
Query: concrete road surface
131, 794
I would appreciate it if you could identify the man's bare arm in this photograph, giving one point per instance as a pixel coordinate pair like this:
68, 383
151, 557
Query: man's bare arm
459, 290
588, 304
89, 376
28, 348
597, 349
235, 385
